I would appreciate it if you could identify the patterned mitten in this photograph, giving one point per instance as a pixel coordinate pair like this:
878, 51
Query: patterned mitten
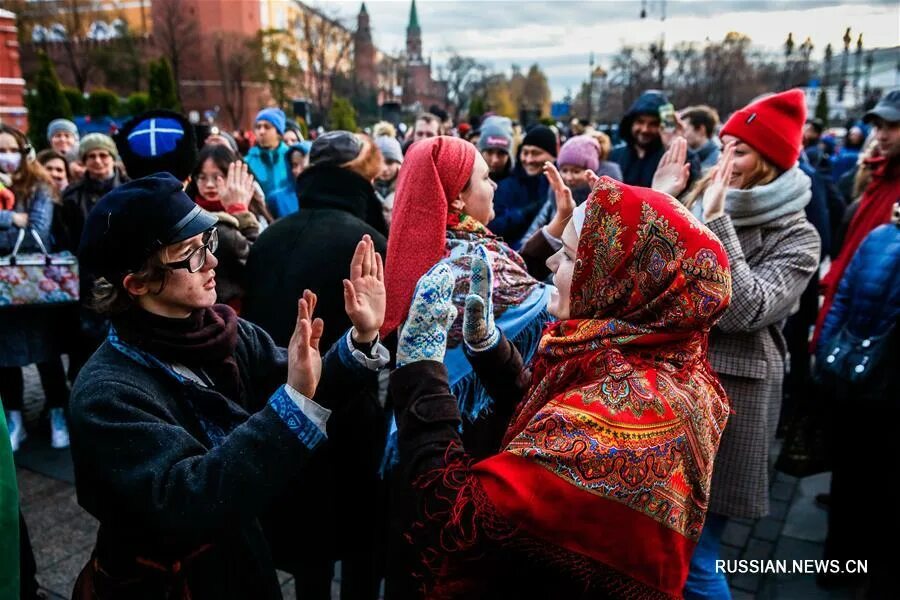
424, 334
479, 331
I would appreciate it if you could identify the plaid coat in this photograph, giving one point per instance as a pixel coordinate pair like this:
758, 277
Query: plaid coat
770, 267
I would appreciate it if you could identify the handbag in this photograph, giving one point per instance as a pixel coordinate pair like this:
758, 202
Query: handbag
38, 278
853, 358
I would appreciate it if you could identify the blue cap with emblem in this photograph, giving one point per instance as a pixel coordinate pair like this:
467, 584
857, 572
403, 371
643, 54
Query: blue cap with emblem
158, 141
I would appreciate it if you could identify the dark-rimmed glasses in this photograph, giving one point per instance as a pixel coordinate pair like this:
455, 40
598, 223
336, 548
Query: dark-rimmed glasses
197, 258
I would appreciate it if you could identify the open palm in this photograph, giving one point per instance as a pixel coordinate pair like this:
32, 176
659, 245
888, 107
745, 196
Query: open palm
364, 296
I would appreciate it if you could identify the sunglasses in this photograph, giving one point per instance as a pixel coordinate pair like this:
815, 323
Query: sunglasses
197, 258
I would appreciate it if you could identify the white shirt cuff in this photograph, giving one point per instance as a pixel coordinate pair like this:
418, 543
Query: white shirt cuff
315, 413
554, 242
381, 355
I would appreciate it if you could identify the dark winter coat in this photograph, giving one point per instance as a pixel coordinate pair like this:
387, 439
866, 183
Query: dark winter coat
237, 232
312, 250
165, 493
517, 201
636, 170
77, 201
867, 302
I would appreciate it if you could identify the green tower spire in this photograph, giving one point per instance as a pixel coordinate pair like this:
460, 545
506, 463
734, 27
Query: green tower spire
413, 17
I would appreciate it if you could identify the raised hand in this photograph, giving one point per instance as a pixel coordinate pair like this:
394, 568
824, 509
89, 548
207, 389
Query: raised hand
720, 176
424, 334
565, 204
364, 295
304, 359
673, 171
237, 187
479, 331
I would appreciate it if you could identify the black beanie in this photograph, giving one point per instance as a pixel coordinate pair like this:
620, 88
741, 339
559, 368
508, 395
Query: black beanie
544, 138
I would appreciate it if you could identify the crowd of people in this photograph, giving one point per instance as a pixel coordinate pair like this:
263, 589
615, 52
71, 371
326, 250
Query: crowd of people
466, 361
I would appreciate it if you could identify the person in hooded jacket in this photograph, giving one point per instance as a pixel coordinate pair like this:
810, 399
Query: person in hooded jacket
300, 252
267, 157
643, 149
773, 251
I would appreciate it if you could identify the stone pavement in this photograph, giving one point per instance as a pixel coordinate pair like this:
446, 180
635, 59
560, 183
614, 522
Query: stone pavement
63, 534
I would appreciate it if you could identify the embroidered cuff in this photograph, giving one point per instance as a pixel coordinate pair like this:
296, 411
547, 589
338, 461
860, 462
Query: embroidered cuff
554, 242
296, 417
315, 412
354, 358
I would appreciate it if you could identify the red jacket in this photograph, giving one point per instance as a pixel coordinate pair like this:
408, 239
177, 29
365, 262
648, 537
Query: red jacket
874, 210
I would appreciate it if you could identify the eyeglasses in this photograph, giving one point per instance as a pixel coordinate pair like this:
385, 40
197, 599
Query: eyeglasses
197, 258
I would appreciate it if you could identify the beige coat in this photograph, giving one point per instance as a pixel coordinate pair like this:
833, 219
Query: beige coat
770, 267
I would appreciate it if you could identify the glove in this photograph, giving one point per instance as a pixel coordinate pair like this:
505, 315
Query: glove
479, 331
424, 334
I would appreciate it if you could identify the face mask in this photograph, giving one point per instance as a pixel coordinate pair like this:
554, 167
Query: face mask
10, 161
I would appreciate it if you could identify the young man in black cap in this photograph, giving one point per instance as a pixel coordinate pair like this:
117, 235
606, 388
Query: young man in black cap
189, 424
520, 196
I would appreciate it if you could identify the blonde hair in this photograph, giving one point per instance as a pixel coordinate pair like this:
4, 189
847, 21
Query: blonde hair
368, 162
384, 129
763, 172
605, 143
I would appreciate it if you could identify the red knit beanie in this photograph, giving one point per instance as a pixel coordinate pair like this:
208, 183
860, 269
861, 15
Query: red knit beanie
772, 126
434, 172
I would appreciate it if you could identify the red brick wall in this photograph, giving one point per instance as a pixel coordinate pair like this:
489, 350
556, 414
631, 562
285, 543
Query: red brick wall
12, 86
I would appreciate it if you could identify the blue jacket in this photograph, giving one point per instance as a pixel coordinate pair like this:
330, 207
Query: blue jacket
635, 170
269, 166
40, 217
817, 209
868, 298
283, 202
517, 201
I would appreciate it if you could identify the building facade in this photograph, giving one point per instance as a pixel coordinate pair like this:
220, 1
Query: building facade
12, 85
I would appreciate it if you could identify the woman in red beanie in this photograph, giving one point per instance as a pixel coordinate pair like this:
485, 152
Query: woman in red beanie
600, 485
773, 251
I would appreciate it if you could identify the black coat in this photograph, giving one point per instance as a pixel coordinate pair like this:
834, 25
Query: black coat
311, 250
147, 471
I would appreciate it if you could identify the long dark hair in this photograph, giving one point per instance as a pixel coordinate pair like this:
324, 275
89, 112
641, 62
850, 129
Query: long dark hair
30, 173
222, 157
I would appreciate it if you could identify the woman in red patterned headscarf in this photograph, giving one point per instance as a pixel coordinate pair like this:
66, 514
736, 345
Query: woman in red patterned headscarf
602, 484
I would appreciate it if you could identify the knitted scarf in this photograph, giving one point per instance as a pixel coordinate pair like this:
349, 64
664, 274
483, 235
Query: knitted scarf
610, 454
787, 194
205, 341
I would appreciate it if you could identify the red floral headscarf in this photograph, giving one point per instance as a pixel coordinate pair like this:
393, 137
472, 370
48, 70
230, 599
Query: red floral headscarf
611, 453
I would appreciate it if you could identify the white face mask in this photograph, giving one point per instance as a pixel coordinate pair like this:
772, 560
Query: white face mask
10, 161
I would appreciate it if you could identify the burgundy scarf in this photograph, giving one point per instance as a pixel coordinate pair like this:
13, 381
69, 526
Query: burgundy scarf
205, 341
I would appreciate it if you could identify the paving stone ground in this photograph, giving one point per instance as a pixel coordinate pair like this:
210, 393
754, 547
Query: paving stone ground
63, 534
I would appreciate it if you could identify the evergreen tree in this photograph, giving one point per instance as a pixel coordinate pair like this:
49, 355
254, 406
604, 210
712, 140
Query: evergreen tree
822, 106
45, 102
163, 92
102, 103
342, 114
76, 100
137, 103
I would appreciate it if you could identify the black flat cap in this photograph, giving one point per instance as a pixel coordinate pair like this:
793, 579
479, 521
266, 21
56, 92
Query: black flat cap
135, 220
334, 148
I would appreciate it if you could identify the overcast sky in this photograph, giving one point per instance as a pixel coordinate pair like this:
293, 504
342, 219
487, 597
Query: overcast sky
561, 34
